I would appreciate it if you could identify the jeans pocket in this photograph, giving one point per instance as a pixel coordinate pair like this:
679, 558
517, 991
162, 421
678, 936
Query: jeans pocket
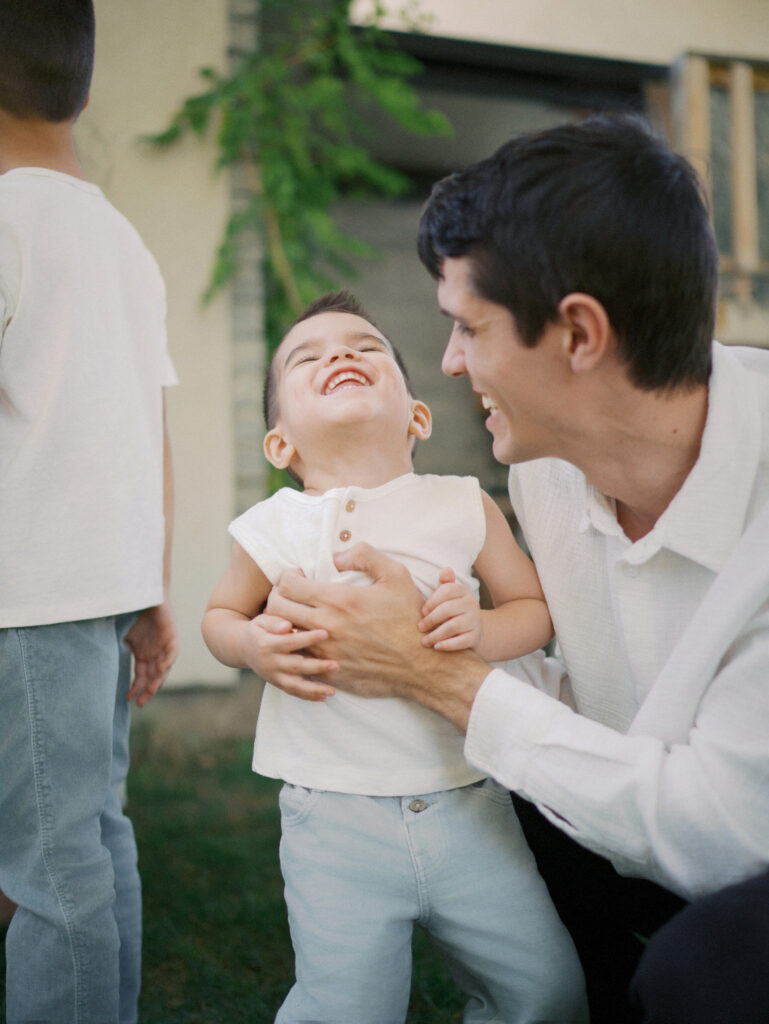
490, 789
296, 803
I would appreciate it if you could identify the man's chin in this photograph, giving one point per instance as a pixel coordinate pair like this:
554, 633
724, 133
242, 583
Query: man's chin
504, 453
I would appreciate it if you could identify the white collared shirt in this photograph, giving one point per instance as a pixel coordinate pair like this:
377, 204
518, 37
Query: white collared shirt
679, 796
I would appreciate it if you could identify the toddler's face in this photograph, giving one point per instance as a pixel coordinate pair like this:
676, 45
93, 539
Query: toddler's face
337, 368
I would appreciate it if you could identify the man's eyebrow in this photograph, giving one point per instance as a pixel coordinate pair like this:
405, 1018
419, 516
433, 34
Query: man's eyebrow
452, 316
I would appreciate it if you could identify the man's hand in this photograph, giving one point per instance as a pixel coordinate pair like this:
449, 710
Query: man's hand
371, 630
153, 643
374, 638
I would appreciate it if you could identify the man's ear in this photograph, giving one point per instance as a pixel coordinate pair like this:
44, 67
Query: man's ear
278, 450
421, 425
589, 334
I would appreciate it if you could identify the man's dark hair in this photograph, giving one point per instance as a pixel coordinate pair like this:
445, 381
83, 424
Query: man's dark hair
601, 206
46, 57
332, 302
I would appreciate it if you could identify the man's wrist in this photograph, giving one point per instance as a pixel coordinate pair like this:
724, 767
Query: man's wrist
449, 685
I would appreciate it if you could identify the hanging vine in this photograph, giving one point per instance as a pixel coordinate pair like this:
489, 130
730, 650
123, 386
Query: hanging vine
296, 111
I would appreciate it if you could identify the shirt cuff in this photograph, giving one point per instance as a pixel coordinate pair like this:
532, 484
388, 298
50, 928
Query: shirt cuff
508, 719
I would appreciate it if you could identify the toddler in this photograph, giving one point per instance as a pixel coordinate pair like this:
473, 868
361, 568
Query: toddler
384, 823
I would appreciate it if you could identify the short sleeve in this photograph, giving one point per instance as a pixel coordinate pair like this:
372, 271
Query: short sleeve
259, 530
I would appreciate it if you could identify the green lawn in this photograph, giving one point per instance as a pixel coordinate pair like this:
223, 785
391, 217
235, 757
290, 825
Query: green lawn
216, 945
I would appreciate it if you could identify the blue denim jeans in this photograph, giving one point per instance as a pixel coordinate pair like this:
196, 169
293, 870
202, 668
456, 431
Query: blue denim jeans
361, 871
67, 851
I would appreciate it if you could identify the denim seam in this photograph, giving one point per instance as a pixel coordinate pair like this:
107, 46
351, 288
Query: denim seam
44, 819
419, 876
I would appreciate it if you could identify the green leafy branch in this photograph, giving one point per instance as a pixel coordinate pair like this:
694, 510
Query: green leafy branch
296, 112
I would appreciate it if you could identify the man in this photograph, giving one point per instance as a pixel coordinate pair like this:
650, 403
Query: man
580, 270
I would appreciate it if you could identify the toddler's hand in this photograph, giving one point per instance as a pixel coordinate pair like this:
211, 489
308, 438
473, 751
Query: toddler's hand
451, 616
276, 655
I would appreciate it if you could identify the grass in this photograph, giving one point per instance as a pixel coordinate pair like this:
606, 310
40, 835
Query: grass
216, 943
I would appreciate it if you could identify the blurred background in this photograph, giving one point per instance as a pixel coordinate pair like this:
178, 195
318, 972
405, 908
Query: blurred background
698, 69
309, 148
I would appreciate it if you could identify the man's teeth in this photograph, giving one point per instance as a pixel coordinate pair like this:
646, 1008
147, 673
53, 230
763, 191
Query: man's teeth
348, 377
487, 403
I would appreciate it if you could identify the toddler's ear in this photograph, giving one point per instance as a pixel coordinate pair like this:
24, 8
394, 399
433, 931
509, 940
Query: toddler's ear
278, 450
421, 425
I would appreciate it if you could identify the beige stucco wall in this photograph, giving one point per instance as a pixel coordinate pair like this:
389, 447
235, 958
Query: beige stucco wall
656, 31
147, 55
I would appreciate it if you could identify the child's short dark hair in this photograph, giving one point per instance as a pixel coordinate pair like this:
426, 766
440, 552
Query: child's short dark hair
332, 302
46, 57
603, 207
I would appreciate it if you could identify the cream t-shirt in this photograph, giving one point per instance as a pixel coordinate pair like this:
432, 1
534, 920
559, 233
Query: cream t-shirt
83, 361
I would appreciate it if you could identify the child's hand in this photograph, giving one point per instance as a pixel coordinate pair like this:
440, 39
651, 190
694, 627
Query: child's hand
275, 654
451, 616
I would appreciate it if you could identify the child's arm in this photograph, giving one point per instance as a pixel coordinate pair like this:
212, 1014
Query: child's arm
518, 623
236, 635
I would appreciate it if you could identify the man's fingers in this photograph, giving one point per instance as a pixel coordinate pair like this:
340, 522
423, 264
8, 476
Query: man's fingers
294, 586
363, 557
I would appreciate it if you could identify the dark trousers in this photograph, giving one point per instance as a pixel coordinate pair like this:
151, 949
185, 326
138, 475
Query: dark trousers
610, 917
710, 963
648, 956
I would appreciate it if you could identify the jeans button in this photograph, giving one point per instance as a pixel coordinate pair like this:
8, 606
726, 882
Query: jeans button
417, 805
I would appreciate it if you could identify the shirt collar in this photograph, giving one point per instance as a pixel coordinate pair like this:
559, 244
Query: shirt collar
706, 517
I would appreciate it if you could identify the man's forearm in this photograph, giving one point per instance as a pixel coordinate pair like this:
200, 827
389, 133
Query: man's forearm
451, 686
444, 682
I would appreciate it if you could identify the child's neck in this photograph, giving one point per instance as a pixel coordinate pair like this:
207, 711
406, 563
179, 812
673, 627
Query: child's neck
38, 143
372, 470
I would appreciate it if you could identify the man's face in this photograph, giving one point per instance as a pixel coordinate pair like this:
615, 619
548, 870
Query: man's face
517, 384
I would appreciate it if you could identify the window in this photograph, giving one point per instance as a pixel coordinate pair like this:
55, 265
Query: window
721, 123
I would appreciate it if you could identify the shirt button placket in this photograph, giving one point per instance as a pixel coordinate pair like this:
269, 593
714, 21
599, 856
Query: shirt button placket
345, 534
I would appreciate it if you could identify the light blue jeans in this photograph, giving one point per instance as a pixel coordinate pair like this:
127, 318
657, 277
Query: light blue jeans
360, 871
67, 851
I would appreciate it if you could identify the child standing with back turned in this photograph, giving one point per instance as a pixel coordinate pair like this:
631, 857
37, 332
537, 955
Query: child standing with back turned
85, 526
384, 823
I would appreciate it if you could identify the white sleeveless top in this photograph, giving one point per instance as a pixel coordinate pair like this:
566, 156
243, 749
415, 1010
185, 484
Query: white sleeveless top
375, 746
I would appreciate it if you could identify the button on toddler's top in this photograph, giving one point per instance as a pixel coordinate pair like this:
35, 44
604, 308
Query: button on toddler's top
383, 746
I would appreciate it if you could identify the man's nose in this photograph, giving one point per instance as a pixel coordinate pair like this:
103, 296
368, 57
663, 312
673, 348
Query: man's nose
453, 362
